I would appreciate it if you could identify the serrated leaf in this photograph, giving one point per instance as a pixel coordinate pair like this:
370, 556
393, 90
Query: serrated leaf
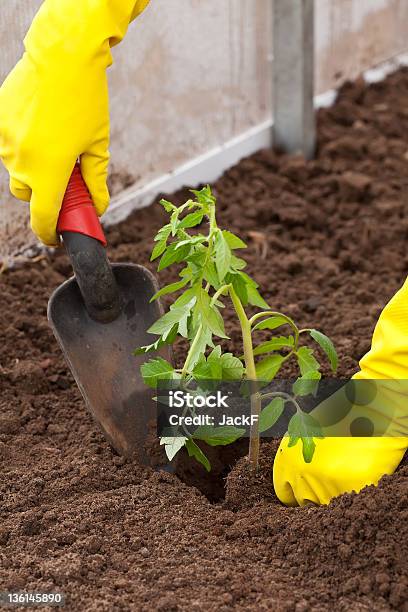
184, 320
307, 384
267, 369
255, 298
166, 322
222, 256
303, 425
200, 346
156, 369
185, 298
218, 436
210, 275
306, 360
233, 241
232, 367
271, 414
163, 233
170, 288
215, 354
173, 255
275, 344
210, 316
196, 452
272, 322
168, 206
192, 219
327, 346
172, 445
155, 346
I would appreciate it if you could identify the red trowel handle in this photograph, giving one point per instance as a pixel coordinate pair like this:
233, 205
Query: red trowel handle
77, 212
84, 241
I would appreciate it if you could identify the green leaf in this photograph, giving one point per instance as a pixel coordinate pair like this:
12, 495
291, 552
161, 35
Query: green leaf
168, 206
255, 298
308, 449
293, 441
172, 445
303, 425
272, 322
274, 345
191, 241
184, 320
270, 414
192, 219
173, 255
185, 298
156, 369
170, 288
174, 222
218, 436
210, 275
307, 362
307, 384
233, 241
237, 263
204, 195
155, 346
200, 346
248, 280
327, 346
196, 452
232, 367
207, 369
267, 369
159, 249
163, 326
163, 233
240, 288
210, 315
222, 256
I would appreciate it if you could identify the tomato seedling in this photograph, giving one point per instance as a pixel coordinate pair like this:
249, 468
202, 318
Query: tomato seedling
211, 273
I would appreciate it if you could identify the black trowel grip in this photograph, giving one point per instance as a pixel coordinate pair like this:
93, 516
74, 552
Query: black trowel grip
94, 276
84, 241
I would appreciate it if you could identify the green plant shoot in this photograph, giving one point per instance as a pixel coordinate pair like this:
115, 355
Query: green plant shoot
210, 275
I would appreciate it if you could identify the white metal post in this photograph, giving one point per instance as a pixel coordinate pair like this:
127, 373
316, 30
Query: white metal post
293, 76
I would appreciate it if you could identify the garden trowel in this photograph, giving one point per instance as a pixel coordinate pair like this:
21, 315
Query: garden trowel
99, 318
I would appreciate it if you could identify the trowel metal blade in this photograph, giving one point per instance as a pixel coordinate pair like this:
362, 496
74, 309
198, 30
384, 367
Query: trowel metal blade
101, 358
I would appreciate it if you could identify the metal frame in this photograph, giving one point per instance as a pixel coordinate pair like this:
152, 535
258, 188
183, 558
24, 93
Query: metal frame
293, 76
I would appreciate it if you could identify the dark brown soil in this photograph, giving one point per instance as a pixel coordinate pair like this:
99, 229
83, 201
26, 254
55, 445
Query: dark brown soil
113, 536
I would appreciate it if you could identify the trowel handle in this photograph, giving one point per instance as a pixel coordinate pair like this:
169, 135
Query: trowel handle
85, 242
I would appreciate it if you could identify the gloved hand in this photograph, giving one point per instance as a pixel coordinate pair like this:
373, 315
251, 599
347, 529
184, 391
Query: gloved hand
54, 105
345, 464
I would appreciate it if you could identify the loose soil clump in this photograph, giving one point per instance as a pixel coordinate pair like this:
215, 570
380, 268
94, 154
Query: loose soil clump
327, 243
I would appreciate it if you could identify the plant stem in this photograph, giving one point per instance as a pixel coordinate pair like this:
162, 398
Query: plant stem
191, 351
251, 376
271, 313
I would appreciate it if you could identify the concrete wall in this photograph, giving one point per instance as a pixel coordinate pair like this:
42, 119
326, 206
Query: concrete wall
354, 35
193, 74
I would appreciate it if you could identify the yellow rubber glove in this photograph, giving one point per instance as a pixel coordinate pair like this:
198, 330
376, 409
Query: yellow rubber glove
345, 464
54, 105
